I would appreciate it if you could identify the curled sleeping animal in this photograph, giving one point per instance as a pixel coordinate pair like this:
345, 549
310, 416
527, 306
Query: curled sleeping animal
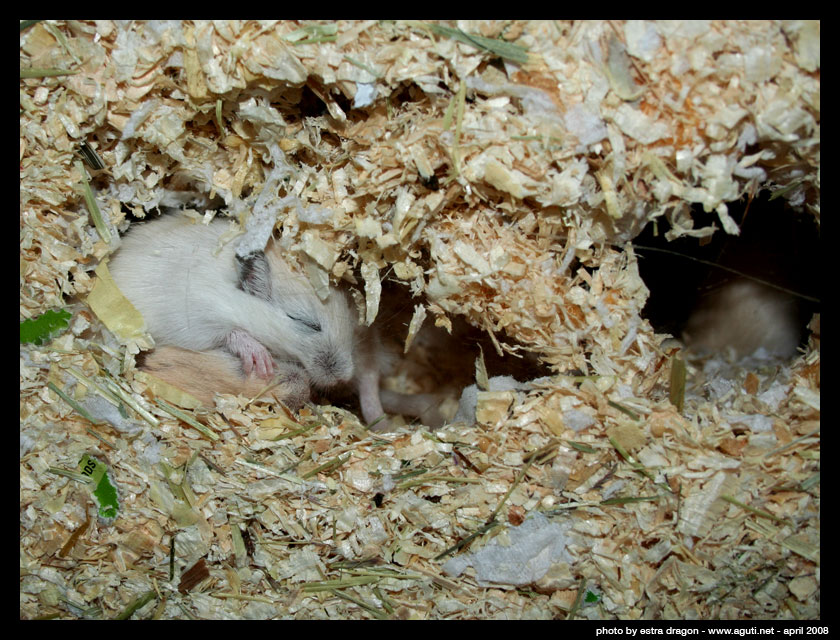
745, 318
228, 324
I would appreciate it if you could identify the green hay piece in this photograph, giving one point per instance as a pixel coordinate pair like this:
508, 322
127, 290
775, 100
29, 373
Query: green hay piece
138, 603
481, 377
377, 421
304, 429
76, 406
638, 467
327, 467
90, 157
180, 415
239, 551
313, 34
78, 477
172, 557
581, 447
624, 410
105, 493
629, 499
363, 66
758, 512
376, 613
468, 540
219, 117
676, 392
501, 48
45, 73
581, 592
93, 208
41, 329
343, 583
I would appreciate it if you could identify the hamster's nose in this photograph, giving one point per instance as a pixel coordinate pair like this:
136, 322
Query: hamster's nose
333, 368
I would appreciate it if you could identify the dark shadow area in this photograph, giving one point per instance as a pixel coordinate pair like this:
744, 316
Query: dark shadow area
776, 245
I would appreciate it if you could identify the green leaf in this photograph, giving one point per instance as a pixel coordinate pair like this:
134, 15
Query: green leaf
41, 329
105, 492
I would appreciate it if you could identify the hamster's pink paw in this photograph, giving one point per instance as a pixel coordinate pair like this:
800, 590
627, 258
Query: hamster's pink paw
255, 357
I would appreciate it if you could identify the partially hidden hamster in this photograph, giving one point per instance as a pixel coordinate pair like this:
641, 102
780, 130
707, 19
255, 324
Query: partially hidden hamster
745, 317
199, 297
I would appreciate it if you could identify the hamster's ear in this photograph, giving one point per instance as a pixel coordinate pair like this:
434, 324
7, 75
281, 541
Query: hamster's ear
255, 275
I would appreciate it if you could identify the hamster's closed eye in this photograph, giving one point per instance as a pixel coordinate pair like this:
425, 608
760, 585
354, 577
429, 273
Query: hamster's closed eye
308, 323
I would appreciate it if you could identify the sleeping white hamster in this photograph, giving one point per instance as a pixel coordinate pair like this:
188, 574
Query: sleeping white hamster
192, 297
199, 297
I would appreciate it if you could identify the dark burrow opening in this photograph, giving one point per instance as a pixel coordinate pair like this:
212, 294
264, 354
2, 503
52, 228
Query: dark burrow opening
439, 361
776, 245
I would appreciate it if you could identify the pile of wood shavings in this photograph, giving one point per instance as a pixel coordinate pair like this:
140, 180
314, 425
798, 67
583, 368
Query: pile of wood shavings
487, 185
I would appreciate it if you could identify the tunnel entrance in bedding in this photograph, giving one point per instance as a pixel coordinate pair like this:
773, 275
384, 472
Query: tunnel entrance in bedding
777, 246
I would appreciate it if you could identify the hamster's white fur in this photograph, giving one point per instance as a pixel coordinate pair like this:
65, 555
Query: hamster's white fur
744, 316
190, 294
191, 297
